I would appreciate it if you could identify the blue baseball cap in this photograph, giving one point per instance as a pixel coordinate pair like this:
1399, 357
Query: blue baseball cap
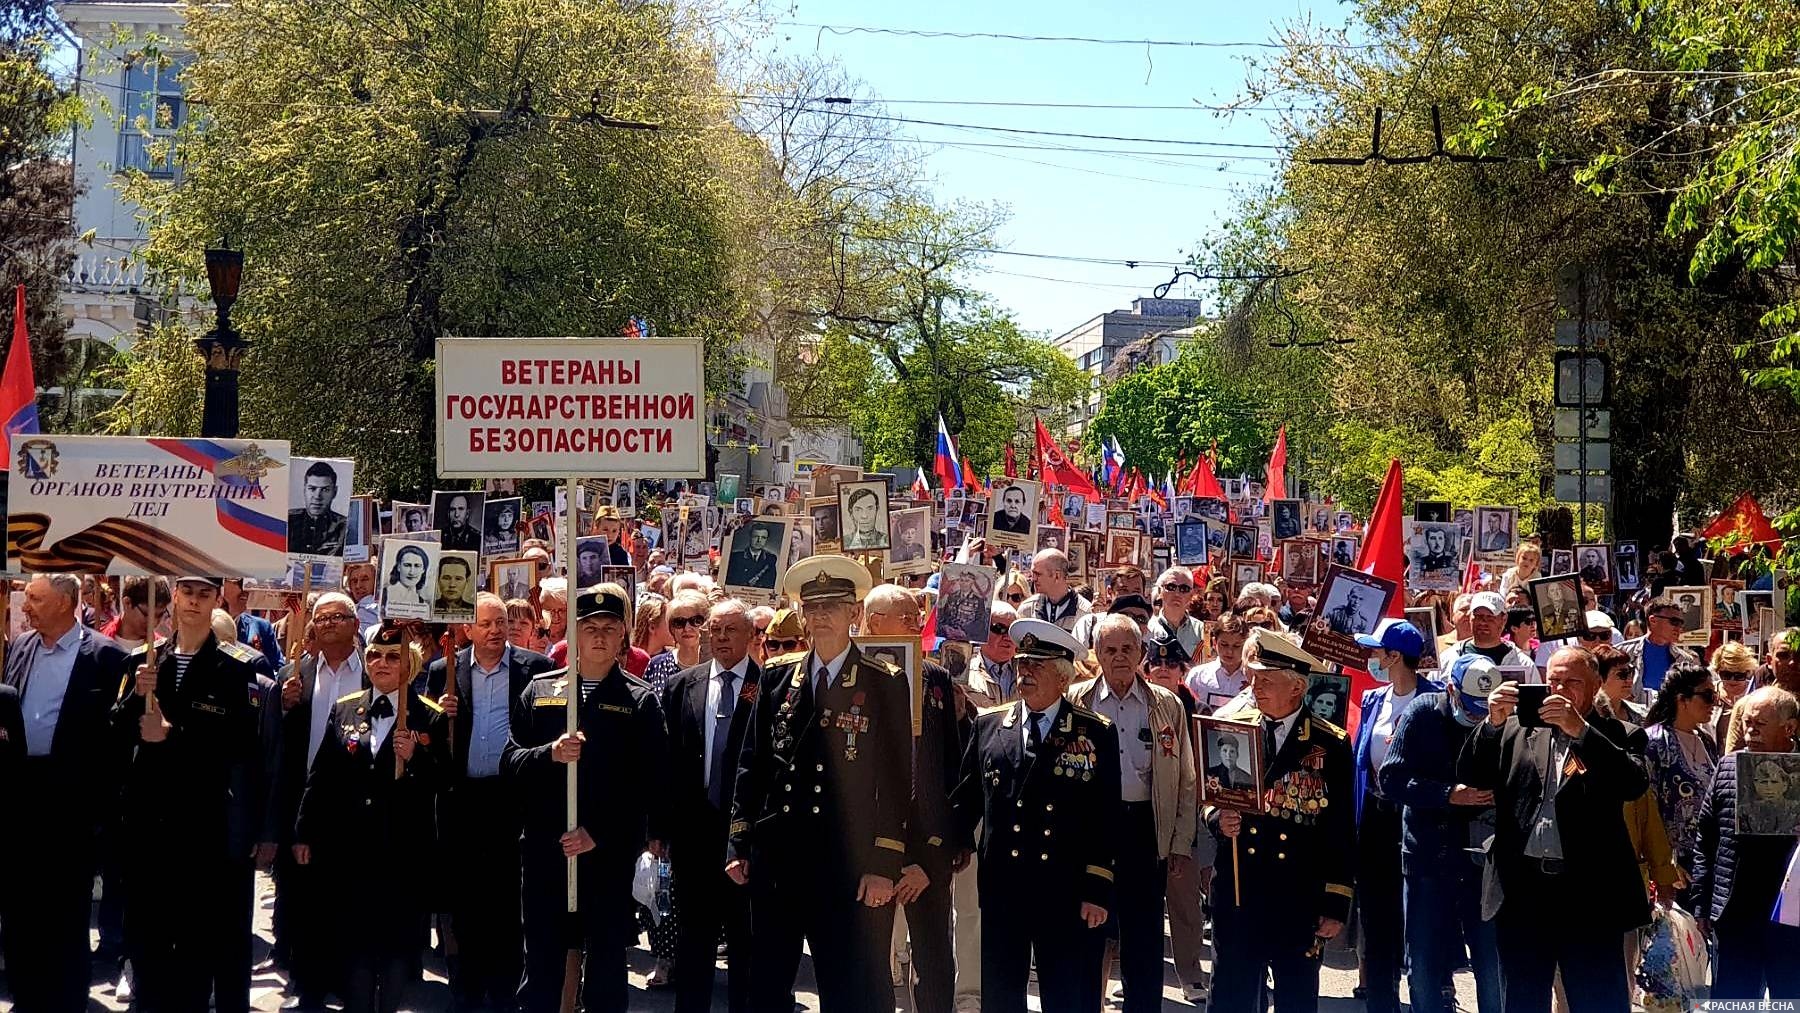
1395, 635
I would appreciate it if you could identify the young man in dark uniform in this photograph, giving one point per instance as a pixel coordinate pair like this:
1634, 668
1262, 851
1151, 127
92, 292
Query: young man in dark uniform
1042, 777
193, 758
621, 781
1292, 885
370, 799
818, 826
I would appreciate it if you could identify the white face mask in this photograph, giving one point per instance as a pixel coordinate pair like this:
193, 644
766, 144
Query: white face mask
1376, 672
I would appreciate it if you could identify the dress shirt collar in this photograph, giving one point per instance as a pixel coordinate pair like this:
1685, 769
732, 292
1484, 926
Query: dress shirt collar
737, 670
505, 660
1135, 692
70, 639
833, 667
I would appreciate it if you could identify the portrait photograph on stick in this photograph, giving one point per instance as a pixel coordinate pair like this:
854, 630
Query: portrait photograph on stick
1351, 604
863, 512
1594, 563
513, 578
1287, 520
459, 519
1695, 603
500, 527
1625, 566
453, 583
1192, 543
1557, 601
904, 654
756, 557
1496, 530
1012, 522
318, 506
910, 532
1231, 763
1243, 541
1768, 793
406, 569
1433, 555
1300, 561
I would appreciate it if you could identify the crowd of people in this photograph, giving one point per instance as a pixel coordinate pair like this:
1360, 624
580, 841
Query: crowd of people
1040, 804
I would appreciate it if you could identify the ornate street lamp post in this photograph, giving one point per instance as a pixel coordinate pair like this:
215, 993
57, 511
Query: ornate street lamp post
222, 347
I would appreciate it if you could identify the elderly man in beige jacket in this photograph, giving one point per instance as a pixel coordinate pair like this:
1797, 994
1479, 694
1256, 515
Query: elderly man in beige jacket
1156, 775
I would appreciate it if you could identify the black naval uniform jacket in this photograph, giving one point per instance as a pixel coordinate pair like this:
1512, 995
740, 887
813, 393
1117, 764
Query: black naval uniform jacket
832, 773
931, 835
623, 779
357, 817
1297, 857
1049, 819
202, 786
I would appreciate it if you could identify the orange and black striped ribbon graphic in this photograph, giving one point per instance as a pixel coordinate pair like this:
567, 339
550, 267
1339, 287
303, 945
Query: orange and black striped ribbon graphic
96, 548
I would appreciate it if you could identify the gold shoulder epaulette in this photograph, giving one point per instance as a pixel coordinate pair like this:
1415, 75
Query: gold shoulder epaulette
1095, 716
995, 709
434, 706
784, 659
1335, 731
347, 697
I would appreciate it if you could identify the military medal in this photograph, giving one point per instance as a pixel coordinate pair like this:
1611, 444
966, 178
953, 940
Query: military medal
851, 723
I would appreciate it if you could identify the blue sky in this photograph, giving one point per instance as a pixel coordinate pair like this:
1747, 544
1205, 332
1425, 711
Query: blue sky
1080, 204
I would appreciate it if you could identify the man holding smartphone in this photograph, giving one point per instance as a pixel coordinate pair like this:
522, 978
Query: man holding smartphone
1560, 845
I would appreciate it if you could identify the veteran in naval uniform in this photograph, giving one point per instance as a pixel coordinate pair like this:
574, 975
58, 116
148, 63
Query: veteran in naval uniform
824, 786
1041, 775
1293, 861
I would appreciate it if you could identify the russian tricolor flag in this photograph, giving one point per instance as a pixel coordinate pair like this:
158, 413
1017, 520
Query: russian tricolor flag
18, 388
1115, 463
948, 471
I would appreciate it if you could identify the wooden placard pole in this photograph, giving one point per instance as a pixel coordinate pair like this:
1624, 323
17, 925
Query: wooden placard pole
574, 641
150, 705
447, 644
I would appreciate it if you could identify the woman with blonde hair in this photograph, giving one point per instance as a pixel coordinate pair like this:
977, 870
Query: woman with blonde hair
681, 629
1528, 561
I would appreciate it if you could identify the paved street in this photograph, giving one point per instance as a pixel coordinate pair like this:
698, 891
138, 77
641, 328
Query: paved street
1337, 983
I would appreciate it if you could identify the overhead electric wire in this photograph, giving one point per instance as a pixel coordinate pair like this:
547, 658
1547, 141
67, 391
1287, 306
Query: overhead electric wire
922, 33
1195, 107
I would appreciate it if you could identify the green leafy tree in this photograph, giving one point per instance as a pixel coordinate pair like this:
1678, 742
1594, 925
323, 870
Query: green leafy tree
1430, 289
397, 172
36, 190
912, 339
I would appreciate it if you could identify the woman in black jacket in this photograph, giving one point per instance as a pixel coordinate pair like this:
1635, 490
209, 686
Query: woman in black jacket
1738, 876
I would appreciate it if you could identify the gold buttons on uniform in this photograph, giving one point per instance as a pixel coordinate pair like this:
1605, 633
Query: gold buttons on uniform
1021, 803
1284, 837
1252, 851
817, 788
820, 768
784, 808
1046, 831
815, 810
1015, 853
1253, 830
1049, 807
1045, 857
1017, 828
1280, 855
787, 787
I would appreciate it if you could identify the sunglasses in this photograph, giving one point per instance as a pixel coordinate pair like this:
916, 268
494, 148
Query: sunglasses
999, 629
1604, 635
782, 645
1178, 588
1735, 676
384, 654
1706, 695
1672, 620
686, 621
1015, 598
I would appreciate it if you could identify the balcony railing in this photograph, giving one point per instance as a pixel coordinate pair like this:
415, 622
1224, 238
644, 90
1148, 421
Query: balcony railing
105, 272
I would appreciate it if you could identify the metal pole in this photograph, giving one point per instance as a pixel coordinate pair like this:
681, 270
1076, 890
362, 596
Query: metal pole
1581, 361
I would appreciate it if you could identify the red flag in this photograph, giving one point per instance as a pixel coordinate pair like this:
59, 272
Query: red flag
1182, 470
1742, 525
1205, 483
1012, 464
1384, 555
1275, 485
18, 389
973, 480
1055, 468
1056, 514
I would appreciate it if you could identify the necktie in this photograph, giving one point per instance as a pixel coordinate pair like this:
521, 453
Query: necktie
381, 708
715, 777
1034, 732
822, 682
1269, 729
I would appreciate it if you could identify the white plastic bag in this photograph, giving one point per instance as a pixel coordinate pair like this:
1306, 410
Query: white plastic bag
1673, 969
643, 884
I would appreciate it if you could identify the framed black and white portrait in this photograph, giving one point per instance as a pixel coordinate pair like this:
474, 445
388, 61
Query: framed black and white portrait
1434, 555
1496, 531
513, 578
1351, 604
453, 588
1192, 542
1012, 515
756, 557
905, 654
1300, 562
407, 569
500, 528
318, 506
1768, 793
1626, 574
1243, 542
863, 514
1557, 600
1230, 763
1287, 519
459, 516
909, 532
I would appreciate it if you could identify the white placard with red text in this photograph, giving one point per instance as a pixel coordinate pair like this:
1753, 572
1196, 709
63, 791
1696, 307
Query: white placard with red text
571, 407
